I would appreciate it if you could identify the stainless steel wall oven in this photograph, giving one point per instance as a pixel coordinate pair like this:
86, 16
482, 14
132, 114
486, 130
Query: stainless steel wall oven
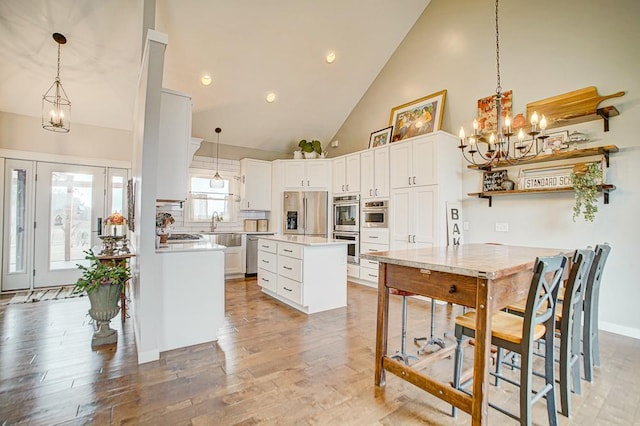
353, 248
346, 213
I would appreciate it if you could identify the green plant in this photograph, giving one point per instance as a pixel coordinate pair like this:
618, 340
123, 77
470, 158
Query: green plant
310, 146
585, 184
99, 272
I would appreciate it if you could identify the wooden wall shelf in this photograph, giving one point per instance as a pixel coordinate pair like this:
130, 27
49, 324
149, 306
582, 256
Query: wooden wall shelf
564, 155
605, 189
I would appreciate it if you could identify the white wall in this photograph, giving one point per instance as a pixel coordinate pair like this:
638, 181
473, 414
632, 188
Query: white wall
24, 133
547, 48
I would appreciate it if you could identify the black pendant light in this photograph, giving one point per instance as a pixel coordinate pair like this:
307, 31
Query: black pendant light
217, 175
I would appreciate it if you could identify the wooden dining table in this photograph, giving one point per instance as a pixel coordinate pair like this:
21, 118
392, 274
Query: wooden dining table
486, 277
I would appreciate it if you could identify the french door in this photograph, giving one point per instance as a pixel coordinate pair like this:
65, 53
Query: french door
69, 201
51, 218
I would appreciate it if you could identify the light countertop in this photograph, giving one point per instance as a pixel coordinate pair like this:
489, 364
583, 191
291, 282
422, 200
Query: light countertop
203, 244
305, 240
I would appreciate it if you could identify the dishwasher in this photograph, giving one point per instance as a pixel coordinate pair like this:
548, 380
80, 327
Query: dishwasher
252, 255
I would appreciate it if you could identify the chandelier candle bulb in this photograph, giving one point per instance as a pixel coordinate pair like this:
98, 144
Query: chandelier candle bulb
475, 126
462, 137
543, 123
507, 124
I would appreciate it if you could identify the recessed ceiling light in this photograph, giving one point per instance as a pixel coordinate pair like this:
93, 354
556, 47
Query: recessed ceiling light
270, 97
206, 79
331, 57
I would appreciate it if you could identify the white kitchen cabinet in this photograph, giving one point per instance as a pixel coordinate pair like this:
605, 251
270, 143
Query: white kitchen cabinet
173, 146
346, 174
233, 260
307, 174
374, 176
301, 278
414, 163
414, 217
255, 184
372, 240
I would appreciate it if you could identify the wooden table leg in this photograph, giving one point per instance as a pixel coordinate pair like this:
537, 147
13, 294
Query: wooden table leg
382, 324
480, 403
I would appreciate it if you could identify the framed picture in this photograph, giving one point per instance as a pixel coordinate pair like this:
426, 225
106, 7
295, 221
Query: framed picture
380, 137
417, 118
487, 119
131, 197
556, 141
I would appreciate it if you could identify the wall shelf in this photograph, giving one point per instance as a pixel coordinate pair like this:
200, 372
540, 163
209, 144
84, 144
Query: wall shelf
605, 189
565, 155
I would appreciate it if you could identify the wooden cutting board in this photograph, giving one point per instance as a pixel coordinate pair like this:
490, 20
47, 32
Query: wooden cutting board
569, 105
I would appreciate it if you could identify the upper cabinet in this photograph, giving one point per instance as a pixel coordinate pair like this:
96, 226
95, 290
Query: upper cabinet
346, 174
173, 146
255, 184
374, 173
307, 174
423, 160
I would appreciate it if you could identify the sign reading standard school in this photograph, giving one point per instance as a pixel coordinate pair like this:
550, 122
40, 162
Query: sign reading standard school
544, 182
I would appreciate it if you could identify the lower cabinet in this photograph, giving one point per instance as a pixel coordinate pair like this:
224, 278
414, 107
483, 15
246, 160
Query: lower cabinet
372, 240
297, 274
233, 261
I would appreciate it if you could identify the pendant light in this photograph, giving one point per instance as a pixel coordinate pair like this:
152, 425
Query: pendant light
217, 175
56, 107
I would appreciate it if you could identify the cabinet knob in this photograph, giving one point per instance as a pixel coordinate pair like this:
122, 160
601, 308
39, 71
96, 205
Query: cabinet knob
452, 289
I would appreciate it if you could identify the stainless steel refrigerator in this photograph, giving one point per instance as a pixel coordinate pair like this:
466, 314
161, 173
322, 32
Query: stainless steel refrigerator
305, 213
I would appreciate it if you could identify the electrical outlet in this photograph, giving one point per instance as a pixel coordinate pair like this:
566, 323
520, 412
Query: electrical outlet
502, 227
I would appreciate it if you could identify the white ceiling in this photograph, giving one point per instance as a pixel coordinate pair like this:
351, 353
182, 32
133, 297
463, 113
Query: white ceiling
249, 47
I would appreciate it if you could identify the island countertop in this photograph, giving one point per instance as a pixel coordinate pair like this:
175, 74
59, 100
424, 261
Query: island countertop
304, 240
203, 244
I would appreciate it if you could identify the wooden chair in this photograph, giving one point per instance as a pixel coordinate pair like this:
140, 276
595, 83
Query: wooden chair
518, 334
590, 341
568, 323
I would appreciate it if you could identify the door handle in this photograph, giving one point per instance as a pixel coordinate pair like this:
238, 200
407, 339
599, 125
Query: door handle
99, 226
376, 192
287, 268
370, 192
408, 238
414, 238
302, 182
308, 184
409, 180
414, 180
347, 187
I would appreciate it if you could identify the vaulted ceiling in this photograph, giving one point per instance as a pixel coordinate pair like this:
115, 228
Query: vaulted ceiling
249, 47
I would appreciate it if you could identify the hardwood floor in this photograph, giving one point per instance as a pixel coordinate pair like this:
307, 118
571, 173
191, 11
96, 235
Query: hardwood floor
271, 365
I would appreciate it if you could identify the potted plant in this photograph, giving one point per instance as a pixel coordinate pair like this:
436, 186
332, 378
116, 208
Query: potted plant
311, 149
104, 282
585, 179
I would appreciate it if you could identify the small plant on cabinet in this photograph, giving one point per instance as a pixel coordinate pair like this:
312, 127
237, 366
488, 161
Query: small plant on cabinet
585, 180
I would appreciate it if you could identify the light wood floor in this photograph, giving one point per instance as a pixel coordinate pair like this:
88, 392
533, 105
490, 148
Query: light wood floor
271, 365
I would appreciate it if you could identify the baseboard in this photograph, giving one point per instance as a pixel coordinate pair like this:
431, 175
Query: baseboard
148, 356
619, 329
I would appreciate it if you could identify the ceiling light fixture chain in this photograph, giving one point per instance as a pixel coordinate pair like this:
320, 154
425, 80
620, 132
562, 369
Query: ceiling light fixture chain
499, 150
56, 107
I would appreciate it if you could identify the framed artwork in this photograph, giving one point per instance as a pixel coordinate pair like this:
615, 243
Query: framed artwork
556, 141
380, 137
417, 118
131, 205
487, 120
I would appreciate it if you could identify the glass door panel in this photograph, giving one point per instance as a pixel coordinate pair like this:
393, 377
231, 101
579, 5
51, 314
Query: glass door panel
69, 200
18, 225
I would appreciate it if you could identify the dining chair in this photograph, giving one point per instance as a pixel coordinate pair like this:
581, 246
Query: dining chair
590, 340
568, 319
518, 334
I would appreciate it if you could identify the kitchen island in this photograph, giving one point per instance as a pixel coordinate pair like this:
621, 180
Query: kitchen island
192, 288
307, 273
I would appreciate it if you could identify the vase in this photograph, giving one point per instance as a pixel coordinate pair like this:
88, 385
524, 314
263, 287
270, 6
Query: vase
163, 238
297, 155
104, 306
311, 154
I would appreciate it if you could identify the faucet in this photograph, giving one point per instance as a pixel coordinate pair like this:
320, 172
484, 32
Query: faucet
215, 218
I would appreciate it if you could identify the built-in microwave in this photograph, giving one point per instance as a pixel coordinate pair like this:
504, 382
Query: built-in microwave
375, 214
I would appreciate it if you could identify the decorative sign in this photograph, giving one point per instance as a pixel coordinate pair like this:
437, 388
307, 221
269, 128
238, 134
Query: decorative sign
545, 181
492, 181
454, 223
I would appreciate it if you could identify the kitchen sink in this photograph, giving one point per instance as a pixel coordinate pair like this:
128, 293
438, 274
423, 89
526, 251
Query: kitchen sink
228, 239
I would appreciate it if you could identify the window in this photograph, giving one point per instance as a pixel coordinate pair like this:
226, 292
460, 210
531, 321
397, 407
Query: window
207, 196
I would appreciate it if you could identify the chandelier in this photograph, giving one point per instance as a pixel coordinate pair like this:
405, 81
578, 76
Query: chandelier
497, 149
56, 107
